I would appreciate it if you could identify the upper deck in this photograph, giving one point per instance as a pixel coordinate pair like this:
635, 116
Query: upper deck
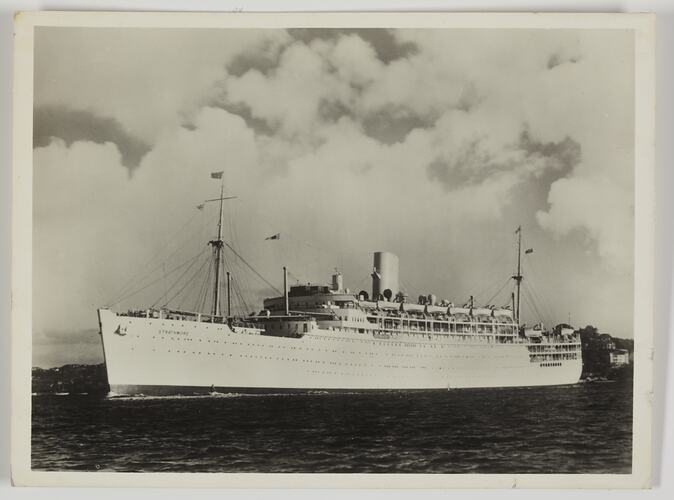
324, 301
335, 309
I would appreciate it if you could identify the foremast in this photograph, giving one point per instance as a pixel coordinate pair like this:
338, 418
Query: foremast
217, 245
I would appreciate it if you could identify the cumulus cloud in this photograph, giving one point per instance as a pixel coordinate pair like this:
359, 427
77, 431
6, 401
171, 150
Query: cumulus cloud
261, 54
72, 125
289, 99
600, 209
146, 79
472, 162
326, 78
425, 142
383, 41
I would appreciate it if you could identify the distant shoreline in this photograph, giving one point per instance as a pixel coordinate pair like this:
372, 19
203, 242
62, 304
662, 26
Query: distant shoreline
71, 379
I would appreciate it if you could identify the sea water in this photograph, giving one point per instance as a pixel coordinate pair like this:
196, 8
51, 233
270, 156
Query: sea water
585, 428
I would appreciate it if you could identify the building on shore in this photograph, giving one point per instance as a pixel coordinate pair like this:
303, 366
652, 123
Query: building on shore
619, 357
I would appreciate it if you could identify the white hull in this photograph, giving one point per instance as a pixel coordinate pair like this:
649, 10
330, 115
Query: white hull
161, 356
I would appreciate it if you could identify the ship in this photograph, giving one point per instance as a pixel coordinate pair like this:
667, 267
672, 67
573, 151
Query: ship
327, 338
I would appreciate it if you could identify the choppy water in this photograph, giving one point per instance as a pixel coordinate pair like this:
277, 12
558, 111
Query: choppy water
578, 429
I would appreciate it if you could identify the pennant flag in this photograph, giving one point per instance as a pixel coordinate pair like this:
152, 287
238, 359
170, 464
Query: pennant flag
217, 175
529, 250
276, 236
200, 207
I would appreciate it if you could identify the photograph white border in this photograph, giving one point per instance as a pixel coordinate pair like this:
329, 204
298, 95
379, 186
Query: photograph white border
21, 321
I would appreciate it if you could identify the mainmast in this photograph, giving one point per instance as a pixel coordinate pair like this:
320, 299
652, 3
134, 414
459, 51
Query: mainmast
285, 291
518, 277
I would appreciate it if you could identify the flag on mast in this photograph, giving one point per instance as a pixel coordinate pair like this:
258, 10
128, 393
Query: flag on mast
200, 206
519, 229
217, 175
276, 236
529, 250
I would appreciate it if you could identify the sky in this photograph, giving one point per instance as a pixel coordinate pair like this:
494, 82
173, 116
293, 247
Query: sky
432, 144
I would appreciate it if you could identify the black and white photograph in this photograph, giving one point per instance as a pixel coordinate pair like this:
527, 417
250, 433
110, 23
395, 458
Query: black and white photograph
336, 248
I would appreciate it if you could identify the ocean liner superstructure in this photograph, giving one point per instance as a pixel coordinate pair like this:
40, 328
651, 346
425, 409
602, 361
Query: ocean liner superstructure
324, 337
